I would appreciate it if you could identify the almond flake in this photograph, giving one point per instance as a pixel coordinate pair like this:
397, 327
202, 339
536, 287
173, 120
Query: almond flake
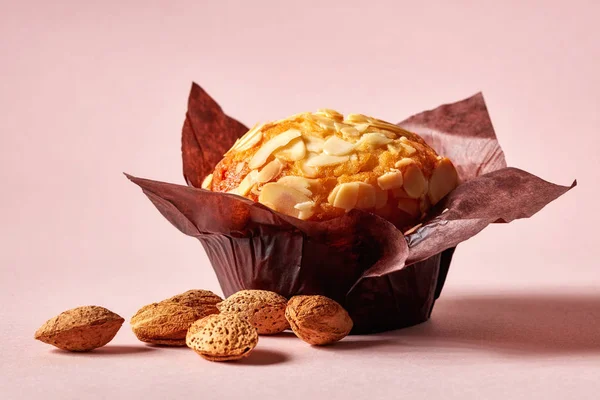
361, 128
324, 160
367, 197
330, 113
313, 143
270, 171
350, 131
443, 180
413, 229
293, 151
405, 162
409, 149
415, 183
247, 183
357, 118
299, 183
335, 146
250, 139
374, 139
239, 167
282, 198
347, 196
390, 180
207, 182
261, 156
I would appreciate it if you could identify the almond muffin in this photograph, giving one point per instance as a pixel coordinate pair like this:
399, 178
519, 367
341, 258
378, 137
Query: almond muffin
317, 166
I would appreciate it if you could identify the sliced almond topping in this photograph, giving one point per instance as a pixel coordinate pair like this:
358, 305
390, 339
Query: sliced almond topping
333, 194
335, 146
415, 183
394, 148
350, 131
282, 198
374, 139
443, 180
309, 172
250, 139
330, 113
324, 122
247, 183
386, 125
409, 149
299, 183
339, 126
261, 156
409, 206
270, 171
381, 198
305, 209
367, 197
390, 180
207, 182
413, 229
313, 143
347, 196
405, 162
357, 118
307, 205
240, 167
294, 151
324, 160
389, 134
361, 128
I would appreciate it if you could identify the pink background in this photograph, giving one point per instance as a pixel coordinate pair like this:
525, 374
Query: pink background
87, 92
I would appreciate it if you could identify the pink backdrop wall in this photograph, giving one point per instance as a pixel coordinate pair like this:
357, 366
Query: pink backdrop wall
88, 91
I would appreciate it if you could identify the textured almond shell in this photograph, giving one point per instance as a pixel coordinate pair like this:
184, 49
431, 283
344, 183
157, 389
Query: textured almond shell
80, 329
203, 301
163, 323
222, 337
318, 320
264, 309
166, 322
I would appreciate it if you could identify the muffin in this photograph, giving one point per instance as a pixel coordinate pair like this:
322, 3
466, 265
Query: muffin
318, 166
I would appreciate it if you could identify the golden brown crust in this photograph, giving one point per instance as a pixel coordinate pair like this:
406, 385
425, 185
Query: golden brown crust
317, 166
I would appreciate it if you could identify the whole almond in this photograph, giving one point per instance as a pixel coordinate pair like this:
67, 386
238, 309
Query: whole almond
203, 301
166, 322
80, 329
318, 320
222, 337
265, 310
163, 323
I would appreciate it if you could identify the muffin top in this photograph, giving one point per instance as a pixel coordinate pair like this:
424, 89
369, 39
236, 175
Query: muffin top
317, 166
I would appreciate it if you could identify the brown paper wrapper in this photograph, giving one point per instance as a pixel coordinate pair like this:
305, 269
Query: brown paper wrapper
384, 279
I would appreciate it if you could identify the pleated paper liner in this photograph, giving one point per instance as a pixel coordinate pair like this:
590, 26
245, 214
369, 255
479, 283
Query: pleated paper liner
384, 279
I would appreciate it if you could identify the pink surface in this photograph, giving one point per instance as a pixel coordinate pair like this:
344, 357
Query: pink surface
88, 92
